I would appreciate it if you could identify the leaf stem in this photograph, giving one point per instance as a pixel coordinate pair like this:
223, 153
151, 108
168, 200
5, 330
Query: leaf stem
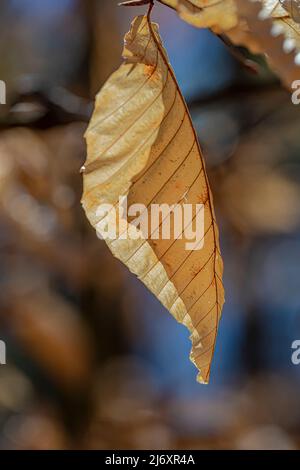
135, 3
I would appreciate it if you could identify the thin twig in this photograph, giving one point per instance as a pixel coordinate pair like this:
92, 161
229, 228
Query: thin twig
134, 3
137, 3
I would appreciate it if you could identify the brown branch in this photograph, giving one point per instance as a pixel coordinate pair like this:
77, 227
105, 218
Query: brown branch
136, 3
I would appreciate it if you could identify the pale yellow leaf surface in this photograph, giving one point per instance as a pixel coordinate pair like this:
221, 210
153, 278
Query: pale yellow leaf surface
288, 18
264, 26
220, 15
245, 34
223, 15
141, 143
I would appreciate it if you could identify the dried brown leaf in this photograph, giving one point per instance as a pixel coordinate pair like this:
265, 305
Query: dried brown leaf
141, 143
266, 27
271, 27
220, 15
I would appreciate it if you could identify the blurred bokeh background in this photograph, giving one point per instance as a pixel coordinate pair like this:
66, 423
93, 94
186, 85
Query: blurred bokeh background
93, 360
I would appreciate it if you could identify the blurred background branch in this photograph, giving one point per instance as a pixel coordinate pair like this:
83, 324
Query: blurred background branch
93, 360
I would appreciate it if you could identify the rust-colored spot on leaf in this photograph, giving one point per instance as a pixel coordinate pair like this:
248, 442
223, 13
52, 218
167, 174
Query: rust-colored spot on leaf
152, 157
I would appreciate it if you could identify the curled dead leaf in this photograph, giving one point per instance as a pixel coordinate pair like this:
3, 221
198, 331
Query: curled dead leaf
142, 145
219, 15
271, 27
